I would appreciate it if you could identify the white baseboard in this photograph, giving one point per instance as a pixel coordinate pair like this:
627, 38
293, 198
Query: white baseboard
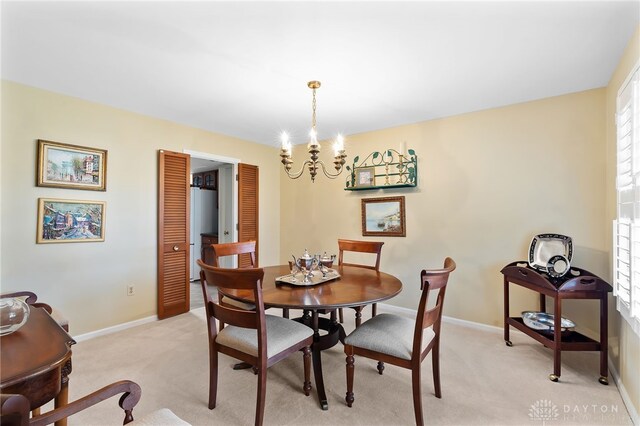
470, 324
631, 409
115, 328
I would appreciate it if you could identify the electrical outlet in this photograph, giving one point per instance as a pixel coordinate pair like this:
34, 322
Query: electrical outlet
130, 290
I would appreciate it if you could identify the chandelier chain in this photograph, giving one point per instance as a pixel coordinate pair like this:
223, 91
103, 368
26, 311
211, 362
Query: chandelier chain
313, 117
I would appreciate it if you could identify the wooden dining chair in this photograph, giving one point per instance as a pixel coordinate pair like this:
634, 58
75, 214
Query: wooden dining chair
404, 342
251, 336
246, 248
31, 299
374, 247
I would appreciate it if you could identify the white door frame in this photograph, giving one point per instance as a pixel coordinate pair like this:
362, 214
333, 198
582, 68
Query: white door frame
234, 162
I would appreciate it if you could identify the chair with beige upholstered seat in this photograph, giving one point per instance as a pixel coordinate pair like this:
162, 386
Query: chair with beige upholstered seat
373, 247
251, 336
401, 341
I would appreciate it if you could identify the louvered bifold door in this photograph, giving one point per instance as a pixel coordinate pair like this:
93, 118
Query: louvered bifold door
247, 209
173, 233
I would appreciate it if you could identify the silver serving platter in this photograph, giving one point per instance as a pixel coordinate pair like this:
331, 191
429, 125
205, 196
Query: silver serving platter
544, 321
544, 246
298, 278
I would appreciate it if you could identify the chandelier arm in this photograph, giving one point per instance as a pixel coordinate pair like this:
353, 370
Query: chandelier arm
329, 174
297, 174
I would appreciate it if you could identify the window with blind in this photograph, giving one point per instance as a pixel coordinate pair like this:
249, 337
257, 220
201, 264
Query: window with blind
626, 227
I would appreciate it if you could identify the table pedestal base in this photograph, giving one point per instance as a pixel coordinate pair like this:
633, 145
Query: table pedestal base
335, 334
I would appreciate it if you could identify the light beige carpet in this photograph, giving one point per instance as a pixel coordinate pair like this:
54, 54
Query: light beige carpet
483, 382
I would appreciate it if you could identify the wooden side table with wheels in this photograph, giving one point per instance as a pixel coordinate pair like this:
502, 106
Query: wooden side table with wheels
576, 284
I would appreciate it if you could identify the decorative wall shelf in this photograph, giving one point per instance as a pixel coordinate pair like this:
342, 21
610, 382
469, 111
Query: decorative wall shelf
386, 170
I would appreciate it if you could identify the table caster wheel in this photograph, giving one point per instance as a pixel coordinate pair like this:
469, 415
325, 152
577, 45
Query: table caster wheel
603, 380
553, 377
508, 343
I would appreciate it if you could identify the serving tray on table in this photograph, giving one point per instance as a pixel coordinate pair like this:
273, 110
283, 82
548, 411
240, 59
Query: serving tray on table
298, 278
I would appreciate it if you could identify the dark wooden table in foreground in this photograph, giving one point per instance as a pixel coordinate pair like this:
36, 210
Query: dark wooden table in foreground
576, 284
355, 287
35, 361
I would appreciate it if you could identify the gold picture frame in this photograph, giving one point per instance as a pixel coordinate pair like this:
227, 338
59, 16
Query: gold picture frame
383, 217
70, 221
61, 165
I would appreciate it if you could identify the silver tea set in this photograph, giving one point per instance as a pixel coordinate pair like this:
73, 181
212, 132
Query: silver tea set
306, 264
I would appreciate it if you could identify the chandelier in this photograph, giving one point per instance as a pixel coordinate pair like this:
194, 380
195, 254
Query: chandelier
313, 147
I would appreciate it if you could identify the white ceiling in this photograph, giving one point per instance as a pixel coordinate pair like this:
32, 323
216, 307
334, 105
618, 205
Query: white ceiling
241, 68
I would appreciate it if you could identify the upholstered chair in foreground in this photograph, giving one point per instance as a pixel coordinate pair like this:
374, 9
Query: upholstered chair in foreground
401, 341
251, 336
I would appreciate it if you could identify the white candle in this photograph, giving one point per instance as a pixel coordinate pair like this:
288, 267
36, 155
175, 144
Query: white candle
286, 145
338, 145
313, 139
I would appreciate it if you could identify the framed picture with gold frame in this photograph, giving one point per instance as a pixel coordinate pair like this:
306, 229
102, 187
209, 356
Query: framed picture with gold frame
71, 166
383, 217
365, 176
70, 221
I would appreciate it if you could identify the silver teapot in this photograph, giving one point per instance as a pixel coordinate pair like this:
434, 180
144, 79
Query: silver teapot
306, 264
326, 260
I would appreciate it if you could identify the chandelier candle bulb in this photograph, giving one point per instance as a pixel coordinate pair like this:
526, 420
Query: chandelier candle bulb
286, 145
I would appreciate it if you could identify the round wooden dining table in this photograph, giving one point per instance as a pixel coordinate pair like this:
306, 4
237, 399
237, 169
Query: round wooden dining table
355, 287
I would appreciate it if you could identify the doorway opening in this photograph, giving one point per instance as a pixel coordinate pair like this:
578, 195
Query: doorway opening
214, 204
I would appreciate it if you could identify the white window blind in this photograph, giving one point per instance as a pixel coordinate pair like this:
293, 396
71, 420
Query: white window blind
626, 227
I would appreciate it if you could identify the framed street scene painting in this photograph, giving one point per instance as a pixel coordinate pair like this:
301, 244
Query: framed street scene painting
70, 221
71, 166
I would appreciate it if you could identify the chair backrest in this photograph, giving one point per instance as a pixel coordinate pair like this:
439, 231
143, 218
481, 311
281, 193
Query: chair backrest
232, 249
360, 247
235, 279
431, 280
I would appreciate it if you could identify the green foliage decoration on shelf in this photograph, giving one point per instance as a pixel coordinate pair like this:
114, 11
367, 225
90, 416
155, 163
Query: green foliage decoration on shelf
383, 169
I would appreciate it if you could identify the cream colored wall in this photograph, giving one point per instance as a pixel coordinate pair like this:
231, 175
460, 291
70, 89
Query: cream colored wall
488, 182
87, 281
624, 344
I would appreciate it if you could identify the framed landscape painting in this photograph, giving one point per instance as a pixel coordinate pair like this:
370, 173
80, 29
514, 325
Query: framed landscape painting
70, 221
383, 217
71, 166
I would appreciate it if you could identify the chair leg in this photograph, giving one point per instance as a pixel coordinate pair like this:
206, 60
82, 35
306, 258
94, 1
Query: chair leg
213, 377
285, 313
350, 373
358, 316
306, 358
341, 315
435, 362
417, 394
374, 310
262, 389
